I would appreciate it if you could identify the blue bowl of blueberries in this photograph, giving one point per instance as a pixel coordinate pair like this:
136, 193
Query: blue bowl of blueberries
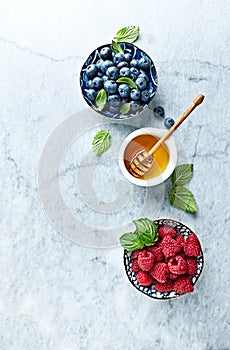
118, 85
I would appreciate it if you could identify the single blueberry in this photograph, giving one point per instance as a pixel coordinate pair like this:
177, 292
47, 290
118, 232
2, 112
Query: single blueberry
124, 72
97, 83
143, 75
119, 57
114, 100
144, 63
110, 86
91, 71
106, 64
145, 95
122, 64
134, 73
141, 83
91, 94
112, 73
135, 94
105, 53
128, 57
133, 63
159, 111
99, 63
124, 90
168, 122
104, 78
135, 106
89, 84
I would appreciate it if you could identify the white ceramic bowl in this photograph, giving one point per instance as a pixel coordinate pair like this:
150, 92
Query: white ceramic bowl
170, 143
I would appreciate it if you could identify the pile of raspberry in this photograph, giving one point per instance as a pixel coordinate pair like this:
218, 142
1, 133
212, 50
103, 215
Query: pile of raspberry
169, 264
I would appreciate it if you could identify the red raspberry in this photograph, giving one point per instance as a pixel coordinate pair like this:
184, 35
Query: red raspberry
177, 265
136, 253
182, 254
160, 272
145, 260
183, 285
191, 265
180, 240
157, 253
135, 267
192, 246
172, 276
170, 247
164, 231
144, 278
164, 287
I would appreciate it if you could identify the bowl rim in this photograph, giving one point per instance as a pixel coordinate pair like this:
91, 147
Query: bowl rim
176, 296
100, 112
171, 145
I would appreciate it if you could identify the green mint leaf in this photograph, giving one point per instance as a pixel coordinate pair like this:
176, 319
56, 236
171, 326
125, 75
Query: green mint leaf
128, 81
146, 230
181, 198
128, 34
182, 174
131, 241
101, 99
125, 108
116, 47
101, 142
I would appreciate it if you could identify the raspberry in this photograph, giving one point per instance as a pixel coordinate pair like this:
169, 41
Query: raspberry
191, 265
170, 247
172, 276
183, 285
166, 231
135, 267
160, 272
180, 240
182, 254
164, 287
177, 265
157, 253
145, 260
136, 253
192, 246
144, 278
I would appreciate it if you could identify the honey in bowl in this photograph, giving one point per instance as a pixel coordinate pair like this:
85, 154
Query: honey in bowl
146, 142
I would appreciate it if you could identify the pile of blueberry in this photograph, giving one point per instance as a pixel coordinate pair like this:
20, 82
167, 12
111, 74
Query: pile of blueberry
108, 69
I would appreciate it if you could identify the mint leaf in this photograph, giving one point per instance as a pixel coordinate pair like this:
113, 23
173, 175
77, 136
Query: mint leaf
101, 99
131, 241
128, 34
101, 142
128, 81
182, 174
116, 47
146, 230
125, 108
181, 198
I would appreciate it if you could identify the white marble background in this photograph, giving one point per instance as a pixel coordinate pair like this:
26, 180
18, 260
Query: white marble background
55, 294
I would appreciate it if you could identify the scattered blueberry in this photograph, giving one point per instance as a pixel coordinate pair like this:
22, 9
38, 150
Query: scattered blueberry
145, 95
144, 63
105, 53
135, 94
110, 86
122, 64
124, 90
159, 111
91, 94
106, 64
124, 72
91, 71
133, 63
168, 122
114, 100
141, 83
128, 57
112, 73
97, 83
119, 57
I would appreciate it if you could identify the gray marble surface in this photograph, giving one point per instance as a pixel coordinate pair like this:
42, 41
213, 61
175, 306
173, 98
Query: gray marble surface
55, 294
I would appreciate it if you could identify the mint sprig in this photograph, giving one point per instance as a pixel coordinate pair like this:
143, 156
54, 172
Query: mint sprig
127, 81
182, 174
101, 142
127, 34
116, 47
101, 99
131, 241
125, 108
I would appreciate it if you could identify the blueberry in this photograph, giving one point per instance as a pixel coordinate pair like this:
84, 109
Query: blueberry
143, 75
110, 86
91, 94
105, 53
112, 73
114, 110
106, 64
89, 84
97, 83
124, 72
114, 100
168, 122
141, 83
99, 63
104, 78
124, 90
91, 71
145, 95
133, 63
122, 64
144, 63
135, 94
119, 57
128, 57
159, 111
134, 73
100, 74
135, 106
